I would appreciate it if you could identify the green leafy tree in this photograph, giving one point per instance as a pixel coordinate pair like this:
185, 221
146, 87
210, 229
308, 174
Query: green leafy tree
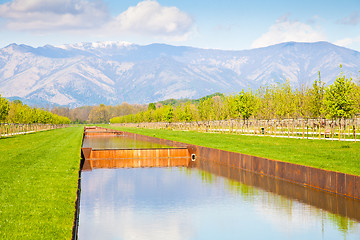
231, 105
205, 109
152, 106
316, 98
4, 108
284, 100
264, 108
245, 104
168, 113
301, 102
99, 114
338, 99
187, 112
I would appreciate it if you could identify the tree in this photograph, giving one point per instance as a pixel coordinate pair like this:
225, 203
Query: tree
264, 108
338, 99
152, 106
231, 105
168, 114
205, 109
99, 114
316, 97
245, 104
284, 100
4, 108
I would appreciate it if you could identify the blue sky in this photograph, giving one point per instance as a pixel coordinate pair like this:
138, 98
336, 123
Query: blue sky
225, 24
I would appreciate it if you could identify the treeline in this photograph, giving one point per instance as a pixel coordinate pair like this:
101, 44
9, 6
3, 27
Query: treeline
176, 102
279, 101
97, 114
103, 113
17, 112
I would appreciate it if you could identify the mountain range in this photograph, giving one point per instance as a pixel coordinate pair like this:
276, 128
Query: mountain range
115, 72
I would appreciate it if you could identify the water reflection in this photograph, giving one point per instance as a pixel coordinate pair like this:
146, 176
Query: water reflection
118, 142
241, 182
193, 203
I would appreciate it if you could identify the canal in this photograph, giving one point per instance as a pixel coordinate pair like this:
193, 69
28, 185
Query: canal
207, 201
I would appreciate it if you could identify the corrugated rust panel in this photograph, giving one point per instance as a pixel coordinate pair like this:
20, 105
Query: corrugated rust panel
317, 178
234, 160
210, 154
340, 183
357, 188
247, 162
296, 173
224, 157
260, 165
330, 183
271, 168
204, 153
241, 161
264, 166
255, 164
350, 185
280, 169
134, 163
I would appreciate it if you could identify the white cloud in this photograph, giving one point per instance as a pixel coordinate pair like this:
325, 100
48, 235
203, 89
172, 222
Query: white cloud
285, 30
53, 15
92, 17
149, 17
347, 42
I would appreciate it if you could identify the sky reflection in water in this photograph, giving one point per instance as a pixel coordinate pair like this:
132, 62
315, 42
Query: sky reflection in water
189, 203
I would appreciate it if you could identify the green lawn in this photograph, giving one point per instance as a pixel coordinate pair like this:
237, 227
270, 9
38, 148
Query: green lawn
38, 184
330, 155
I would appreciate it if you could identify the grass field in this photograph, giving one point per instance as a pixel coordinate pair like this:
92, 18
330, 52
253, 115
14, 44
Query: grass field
331, 155
38, 184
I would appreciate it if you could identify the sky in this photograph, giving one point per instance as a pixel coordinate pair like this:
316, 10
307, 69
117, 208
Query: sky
225, 24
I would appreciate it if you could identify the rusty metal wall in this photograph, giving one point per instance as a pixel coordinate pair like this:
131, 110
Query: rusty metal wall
330, 181
129, 158
136, 163
139, 153
330, 202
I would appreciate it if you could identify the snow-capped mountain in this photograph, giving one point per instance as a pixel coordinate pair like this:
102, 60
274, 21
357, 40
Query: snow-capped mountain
114, 72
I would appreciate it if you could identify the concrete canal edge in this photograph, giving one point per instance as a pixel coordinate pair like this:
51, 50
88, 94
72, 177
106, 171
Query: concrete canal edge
330, 181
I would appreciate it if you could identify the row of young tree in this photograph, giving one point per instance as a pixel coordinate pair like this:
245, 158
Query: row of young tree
279, 101
17, 112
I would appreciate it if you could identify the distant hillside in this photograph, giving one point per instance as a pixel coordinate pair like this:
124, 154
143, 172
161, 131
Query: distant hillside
112, 72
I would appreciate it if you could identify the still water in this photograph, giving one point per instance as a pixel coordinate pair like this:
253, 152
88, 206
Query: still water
194, 203
118, 142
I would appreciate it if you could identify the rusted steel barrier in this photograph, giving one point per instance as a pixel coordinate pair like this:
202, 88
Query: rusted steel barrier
330, 181
130, 158
100, 133
330, 202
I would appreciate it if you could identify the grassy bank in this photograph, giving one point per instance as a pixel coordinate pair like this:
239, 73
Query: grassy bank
331, 155
38, 177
